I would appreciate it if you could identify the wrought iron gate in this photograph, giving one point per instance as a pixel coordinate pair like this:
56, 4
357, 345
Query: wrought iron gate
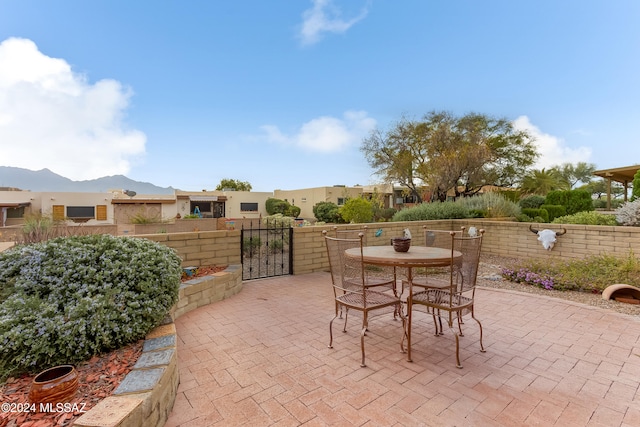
267, 250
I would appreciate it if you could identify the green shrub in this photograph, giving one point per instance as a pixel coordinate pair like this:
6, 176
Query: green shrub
524, 218
587, 218
574, 201
276, 206
554, 211
251, 245
602, 203
327, 212
435, 210
293, 211
533, 202
537, 213
592, 274
275, 246
635, 190
478, 213
357, 210
67, 299
492, 205
384, 214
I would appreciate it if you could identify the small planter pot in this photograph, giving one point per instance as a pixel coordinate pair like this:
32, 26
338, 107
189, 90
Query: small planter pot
55, 385
401, 244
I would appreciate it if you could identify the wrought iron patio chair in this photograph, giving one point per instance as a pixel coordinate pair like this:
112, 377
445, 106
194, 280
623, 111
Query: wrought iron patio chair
456, 299
350, 291
437, 278
374, 275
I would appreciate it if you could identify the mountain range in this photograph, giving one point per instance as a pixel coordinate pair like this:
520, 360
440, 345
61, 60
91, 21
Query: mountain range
45, 180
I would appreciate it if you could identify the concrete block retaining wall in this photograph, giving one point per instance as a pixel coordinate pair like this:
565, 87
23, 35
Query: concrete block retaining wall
203, 248
147, 398
504, 238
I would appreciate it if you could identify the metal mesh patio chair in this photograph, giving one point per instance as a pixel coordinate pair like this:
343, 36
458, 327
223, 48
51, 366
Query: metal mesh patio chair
374, 275
456, 299
437, 278
350, 291
435, 239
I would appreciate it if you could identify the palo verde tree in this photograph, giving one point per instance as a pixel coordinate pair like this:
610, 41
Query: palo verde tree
447, 152
581, 172
233, 184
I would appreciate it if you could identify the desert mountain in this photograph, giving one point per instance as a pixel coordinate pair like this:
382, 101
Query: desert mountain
45, 180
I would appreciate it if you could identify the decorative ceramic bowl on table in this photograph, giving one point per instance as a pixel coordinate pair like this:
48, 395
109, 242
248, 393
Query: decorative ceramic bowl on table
401, 244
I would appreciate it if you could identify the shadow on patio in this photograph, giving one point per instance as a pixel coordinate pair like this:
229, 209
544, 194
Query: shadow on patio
260, 358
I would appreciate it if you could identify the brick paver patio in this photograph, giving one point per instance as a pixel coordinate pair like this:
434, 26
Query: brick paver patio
260, 358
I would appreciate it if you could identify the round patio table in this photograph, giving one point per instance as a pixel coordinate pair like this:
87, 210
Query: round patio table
416, 256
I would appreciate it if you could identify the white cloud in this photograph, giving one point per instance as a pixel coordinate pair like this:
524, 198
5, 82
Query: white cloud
553, 150
322, 18
51, 117
326, 134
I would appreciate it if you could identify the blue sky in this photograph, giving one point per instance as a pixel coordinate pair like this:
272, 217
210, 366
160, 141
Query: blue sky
281, 93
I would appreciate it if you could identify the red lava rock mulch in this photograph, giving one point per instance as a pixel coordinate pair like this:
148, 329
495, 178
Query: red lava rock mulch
97, 378
203, 271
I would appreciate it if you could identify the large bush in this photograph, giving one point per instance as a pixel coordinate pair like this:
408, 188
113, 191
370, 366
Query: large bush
494, 205
327, 212
554, 211
67, 299
587, 218
541, 214
436, 210
629, 213
277, 206
357, 211
532, 202
573, 200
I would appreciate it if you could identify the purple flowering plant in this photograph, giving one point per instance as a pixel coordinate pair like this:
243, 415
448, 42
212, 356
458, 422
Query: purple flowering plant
590, 274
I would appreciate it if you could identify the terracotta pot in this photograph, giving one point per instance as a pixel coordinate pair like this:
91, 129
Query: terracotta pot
55, 385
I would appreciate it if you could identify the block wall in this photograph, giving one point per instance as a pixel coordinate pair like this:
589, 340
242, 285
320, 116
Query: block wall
503, 238
203, 248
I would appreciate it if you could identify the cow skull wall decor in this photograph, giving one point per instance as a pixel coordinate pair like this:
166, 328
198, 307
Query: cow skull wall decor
547, 237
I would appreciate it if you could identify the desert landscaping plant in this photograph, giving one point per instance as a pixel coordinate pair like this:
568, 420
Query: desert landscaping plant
436, 210
494, 205
629, 213
587, 218
591, 274
64, 300
357, 211
38, 228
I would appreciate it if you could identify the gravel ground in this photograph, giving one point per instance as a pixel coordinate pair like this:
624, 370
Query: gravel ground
489, 276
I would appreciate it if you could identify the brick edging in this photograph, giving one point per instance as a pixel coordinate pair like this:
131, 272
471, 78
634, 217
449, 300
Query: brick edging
146, 395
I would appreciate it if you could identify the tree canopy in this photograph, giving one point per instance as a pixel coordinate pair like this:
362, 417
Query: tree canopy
233, 184
541, 181
446, 152
581, 172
